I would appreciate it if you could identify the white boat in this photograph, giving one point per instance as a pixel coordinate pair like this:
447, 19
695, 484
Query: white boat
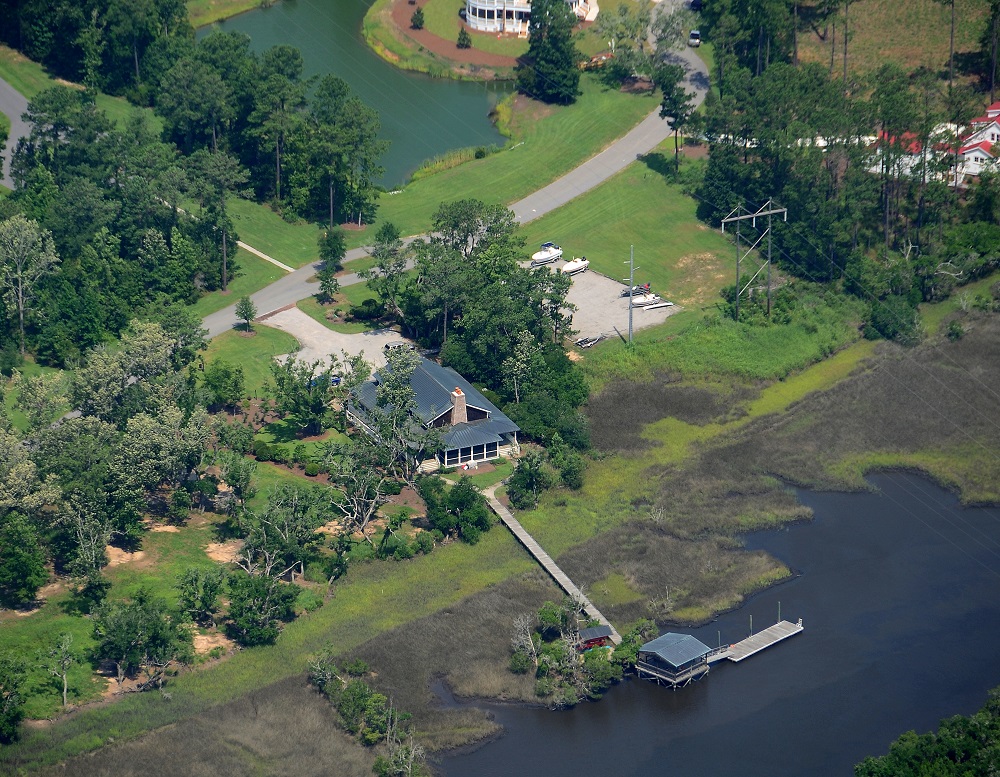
641, 300
575, 266
548, 252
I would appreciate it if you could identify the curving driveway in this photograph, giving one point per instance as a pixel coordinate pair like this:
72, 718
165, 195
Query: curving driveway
641, 139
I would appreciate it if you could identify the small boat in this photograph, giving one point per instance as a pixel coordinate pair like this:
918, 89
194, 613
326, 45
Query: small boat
548, 252
575, 266
641, 300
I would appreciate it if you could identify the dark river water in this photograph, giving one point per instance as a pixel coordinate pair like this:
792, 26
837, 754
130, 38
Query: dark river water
422, 117
898, 592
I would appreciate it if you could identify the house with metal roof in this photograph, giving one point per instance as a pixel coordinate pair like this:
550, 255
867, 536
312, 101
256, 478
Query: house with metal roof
472, 428
673, 659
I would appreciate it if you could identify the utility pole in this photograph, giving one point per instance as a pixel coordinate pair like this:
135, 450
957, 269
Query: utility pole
631, 286
737, 215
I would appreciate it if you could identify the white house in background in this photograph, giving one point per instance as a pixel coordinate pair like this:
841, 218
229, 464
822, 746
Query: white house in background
976, 157
511, 17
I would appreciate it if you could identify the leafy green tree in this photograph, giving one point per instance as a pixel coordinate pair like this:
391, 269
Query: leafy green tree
27, 255
194, 101
280, 100
199, 590
386, 276
549, 72
215, 177
257, 604
22, 487
332, 249
676, 103
246, 311
302, 390
12, 677
283, 535
22, 561
225, 383
139, 635
530, 479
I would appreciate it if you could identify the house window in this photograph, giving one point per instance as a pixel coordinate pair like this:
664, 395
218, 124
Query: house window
479, 452
491, 450
451, 457
490, 14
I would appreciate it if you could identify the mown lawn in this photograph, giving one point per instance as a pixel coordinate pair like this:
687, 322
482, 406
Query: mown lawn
255, 354
29, 78
202, 12
685, 261
318, 312
255, 273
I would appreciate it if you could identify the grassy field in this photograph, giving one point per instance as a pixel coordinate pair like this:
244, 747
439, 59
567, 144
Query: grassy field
259, 226
318, 312
911, 34
685, 261
202, 12
29, 78
441, 17
254, 354
254, 275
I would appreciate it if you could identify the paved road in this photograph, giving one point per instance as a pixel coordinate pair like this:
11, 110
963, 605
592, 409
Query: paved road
13, 104
642, 139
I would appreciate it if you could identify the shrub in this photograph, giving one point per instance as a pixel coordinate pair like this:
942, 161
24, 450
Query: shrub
417, 20
955, 331
464, 39
520, 663
423, 542
262, 451
312, 469
369, 310
392, 487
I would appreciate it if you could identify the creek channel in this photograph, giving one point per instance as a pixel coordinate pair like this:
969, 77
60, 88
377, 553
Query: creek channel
421, 116
898, 592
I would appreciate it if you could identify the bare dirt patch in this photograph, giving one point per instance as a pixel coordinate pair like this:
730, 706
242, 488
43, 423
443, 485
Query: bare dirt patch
118, 557
205, 643
224, 552
164, 527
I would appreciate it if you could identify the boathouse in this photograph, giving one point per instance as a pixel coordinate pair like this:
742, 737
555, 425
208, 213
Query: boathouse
595, 636
673, 659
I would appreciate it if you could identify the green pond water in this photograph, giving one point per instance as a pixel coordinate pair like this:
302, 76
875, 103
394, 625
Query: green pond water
422, 117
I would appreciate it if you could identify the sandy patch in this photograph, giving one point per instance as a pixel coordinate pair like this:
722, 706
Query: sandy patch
117, 557
164, 528
574, 356
224, 552
205, 643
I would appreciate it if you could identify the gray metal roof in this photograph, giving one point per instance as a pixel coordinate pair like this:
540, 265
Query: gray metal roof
467, 435
676, 649
594, 632
432, 386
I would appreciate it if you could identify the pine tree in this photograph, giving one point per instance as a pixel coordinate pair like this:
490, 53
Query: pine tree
464, 39
417, 20
549, 72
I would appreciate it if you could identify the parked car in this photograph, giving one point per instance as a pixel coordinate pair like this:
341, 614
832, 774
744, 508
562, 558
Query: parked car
694, 39
396, 345
575, 266
547, 252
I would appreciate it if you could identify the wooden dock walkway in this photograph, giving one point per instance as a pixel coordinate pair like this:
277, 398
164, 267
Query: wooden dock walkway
761, 640
550, 566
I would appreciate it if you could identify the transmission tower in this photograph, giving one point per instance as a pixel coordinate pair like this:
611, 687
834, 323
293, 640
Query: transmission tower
738, 215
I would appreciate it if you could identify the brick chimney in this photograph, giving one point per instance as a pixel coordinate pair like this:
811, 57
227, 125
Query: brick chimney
459, 412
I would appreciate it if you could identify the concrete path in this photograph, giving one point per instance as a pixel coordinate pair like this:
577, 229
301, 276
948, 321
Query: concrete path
12, 104
264, 256
318, 342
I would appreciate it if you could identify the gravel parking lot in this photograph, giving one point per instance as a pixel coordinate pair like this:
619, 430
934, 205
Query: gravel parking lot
601, 307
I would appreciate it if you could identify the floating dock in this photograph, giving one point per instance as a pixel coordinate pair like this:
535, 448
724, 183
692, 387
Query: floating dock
757, 642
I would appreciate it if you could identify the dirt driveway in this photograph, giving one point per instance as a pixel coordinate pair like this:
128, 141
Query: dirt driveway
318, 342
